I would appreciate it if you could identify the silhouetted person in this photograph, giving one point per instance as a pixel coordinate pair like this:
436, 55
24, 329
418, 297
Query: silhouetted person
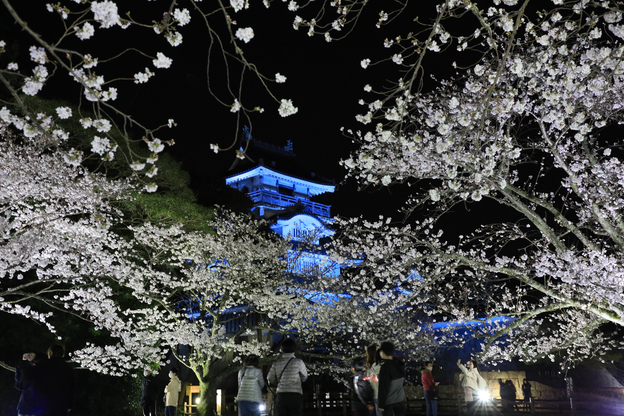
508, 395
391, 377
512, 392
58, 384
28, 380
526, 393
149, 394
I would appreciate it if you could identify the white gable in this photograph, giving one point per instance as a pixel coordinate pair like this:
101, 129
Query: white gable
301, 225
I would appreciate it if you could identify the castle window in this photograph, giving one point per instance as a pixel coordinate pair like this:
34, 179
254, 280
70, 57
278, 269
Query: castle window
286, 191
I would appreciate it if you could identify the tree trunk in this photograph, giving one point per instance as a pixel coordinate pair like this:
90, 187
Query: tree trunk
207, 399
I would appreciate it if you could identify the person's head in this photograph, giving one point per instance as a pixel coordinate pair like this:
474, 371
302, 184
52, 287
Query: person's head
429, 365
508, 382
253, 361
371, 355
36, 357
173, 372
358, 365
386, 350
289, 346
56, 350
472, 364
524, 381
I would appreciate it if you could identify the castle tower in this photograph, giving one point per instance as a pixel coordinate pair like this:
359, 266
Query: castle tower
281, 191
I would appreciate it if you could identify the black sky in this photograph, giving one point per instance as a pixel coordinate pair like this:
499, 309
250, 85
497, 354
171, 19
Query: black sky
324, 80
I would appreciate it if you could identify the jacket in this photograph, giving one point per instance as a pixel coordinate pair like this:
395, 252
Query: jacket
28, 381
58, 385
288, 373
391, 379
372, 375
362, 389
148, 390
172, 391
250, 384
427, 380
472, 378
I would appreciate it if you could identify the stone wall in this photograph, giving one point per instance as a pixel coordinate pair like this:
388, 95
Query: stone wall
540, 391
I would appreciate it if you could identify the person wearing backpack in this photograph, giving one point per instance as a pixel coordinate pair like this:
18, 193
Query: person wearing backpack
287, 373
362, 392
250, 384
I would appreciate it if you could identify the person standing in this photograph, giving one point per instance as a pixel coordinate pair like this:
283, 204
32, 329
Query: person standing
373, 365
287, 373
172, 393
391, 377
526, 393
58, 383
250, 384
512, 392
470, 381
505, 396
148, 394
362, 392
429, 386
28, 380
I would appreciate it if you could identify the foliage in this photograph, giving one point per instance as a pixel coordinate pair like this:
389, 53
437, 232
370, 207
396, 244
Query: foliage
65, 42
527, 137
55, 231
525, 132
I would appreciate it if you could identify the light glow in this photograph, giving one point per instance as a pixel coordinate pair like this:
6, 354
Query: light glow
483, 396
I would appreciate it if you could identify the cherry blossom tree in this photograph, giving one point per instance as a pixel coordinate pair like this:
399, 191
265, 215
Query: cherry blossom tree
107, 49
55, 220
202, 294
58, 252
213, 298
523, 142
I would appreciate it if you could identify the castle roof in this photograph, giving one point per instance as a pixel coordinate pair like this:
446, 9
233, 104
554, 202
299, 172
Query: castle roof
252, 153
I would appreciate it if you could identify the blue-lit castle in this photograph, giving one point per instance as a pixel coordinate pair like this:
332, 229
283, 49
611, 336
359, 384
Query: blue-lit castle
281, 192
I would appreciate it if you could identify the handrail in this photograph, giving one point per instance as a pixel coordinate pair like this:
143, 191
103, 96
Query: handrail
280, 200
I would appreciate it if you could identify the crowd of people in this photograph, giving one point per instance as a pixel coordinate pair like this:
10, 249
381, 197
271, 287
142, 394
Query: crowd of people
47, 385
377, 383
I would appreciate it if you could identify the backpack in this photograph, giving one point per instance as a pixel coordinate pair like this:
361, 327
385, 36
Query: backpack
363, 389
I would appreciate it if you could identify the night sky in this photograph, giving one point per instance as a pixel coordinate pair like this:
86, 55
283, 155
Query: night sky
324, 80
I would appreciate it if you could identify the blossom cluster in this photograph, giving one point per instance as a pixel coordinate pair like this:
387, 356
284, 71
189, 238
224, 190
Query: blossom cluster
521, 130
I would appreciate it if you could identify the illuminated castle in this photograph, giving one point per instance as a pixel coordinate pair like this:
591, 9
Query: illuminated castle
281, 192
